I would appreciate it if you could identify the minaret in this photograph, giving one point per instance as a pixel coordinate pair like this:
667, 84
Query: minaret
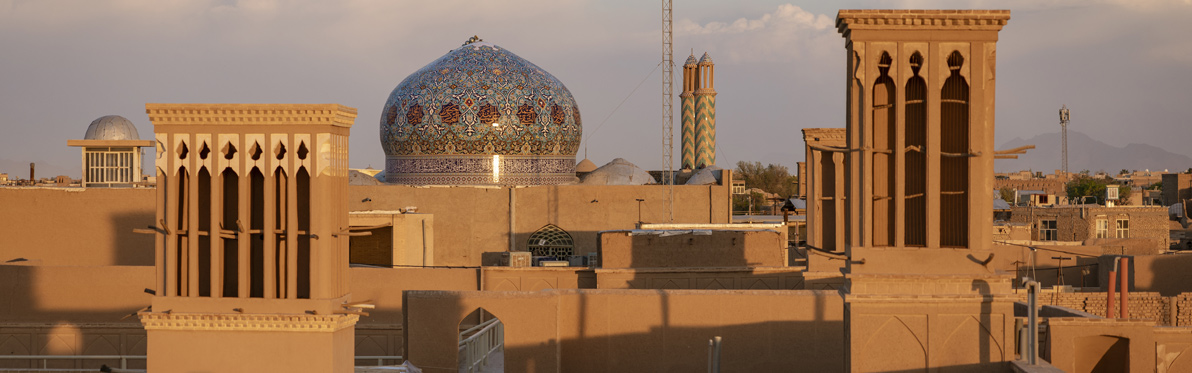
705, 113
690, 75
252, 240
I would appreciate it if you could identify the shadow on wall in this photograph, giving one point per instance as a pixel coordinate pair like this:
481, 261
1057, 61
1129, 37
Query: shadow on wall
1169, 275
46, 310
132, 249
635, 330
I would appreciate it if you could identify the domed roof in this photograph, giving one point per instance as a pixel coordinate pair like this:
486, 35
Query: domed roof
706, 59
618, 172
111, 127
585, 165
444, 123
705, 176
690, 60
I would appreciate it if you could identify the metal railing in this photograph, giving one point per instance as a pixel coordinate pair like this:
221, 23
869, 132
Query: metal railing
45, 359
381, 359
486, 338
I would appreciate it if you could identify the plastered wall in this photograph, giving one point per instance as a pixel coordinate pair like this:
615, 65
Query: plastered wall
74, 226
472, 220
758, 248
636, 330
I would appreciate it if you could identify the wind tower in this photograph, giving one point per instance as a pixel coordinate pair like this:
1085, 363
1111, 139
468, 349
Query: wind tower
1064, 136
251, 239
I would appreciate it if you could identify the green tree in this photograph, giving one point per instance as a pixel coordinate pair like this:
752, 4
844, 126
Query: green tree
771, 178
1007, 194
1085, 186
1124, 193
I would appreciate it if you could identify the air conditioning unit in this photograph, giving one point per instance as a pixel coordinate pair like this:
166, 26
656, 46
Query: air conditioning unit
515, 259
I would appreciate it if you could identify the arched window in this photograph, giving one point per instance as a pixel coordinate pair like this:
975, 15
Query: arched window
915, 219
954, 156
552, 241
883, 154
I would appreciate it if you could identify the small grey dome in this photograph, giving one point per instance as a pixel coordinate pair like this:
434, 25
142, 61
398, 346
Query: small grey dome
111, 127
618, 172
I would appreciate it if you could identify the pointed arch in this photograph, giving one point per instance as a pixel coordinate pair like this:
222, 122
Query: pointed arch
552, 241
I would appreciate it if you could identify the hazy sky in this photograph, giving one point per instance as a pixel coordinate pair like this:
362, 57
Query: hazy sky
1124, 68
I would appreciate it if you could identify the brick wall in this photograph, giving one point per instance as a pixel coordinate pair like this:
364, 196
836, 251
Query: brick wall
1148, 306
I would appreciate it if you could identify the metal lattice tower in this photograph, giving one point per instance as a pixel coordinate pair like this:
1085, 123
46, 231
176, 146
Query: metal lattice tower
668, 69
1064, 136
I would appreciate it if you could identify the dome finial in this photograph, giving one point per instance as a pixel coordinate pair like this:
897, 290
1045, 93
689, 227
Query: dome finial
473, 39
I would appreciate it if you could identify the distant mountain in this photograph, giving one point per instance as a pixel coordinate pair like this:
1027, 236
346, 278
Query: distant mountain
1086, 153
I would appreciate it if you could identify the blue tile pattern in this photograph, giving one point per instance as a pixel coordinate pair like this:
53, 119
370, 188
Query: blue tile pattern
440, 120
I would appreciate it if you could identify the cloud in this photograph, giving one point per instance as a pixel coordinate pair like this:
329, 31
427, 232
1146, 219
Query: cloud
788, 32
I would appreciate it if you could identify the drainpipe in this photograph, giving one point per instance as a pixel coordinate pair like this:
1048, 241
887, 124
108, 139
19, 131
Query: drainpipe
1124, 272
1032, 338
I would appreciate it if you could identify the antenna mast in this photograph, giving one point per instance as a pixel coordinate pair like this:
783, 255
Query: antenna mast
1064, 136
668, 67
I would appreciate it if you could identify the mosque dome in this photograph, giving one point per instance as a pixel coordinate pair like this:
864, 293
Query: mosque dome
111, 127
480, 115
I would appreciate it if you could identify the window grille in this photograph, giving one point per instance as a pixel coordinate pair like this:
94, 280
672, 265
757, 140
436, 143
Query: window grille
552, 241
1048, 231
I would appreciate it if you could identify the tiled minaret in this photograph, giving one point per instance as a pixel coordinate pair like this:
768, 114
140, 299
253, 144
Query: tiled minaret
705, 113
690, 75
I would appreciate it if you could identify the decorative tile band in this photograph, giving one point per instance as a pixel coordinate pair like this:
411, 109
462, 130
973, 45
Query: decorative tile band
480, 170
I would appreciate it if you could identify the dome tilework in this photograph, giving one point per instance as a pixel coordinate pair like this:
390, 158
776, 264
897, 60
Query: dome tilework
690, 61
477, 112
111, 127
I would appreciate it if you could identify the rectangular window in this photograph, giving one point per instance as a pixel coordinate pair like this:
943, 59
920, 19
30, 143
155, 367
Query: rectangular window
1047, 230
1123, 228
1102, 228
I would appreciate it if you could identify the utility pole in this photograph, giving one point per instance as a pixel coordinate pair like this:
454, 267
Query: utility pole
668, 69
1064, 136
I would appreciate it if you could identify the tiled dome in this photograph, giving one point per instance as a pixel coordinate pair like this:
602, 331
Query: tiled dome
480, 115
111, 127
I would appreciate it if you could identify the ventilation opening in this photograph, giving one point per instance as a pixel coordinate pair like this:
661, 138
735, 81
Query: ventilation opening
229, 151
281, 226
302, 179
231, 242
302, 151
183, 243
883, 155
954, 160
255, 151
280, 151
256, 229
204, 151
828, 195
183, 151
915, 184
204, 232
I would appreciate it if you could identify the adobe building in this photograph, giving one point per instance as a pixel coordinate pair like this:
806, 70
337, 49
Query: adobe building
251, 239
1177, 187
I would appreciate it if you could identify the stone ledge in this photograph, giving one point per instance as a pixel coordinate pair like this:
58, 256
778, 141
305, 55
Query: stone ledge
239, 322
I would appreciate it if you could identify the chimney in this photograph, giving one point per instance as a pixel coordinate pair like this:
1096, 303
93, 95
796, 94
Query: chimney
31, 174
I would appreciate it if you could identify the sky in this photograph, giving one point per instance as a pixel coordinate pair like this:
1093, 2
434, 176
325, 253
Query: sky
1123, 68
